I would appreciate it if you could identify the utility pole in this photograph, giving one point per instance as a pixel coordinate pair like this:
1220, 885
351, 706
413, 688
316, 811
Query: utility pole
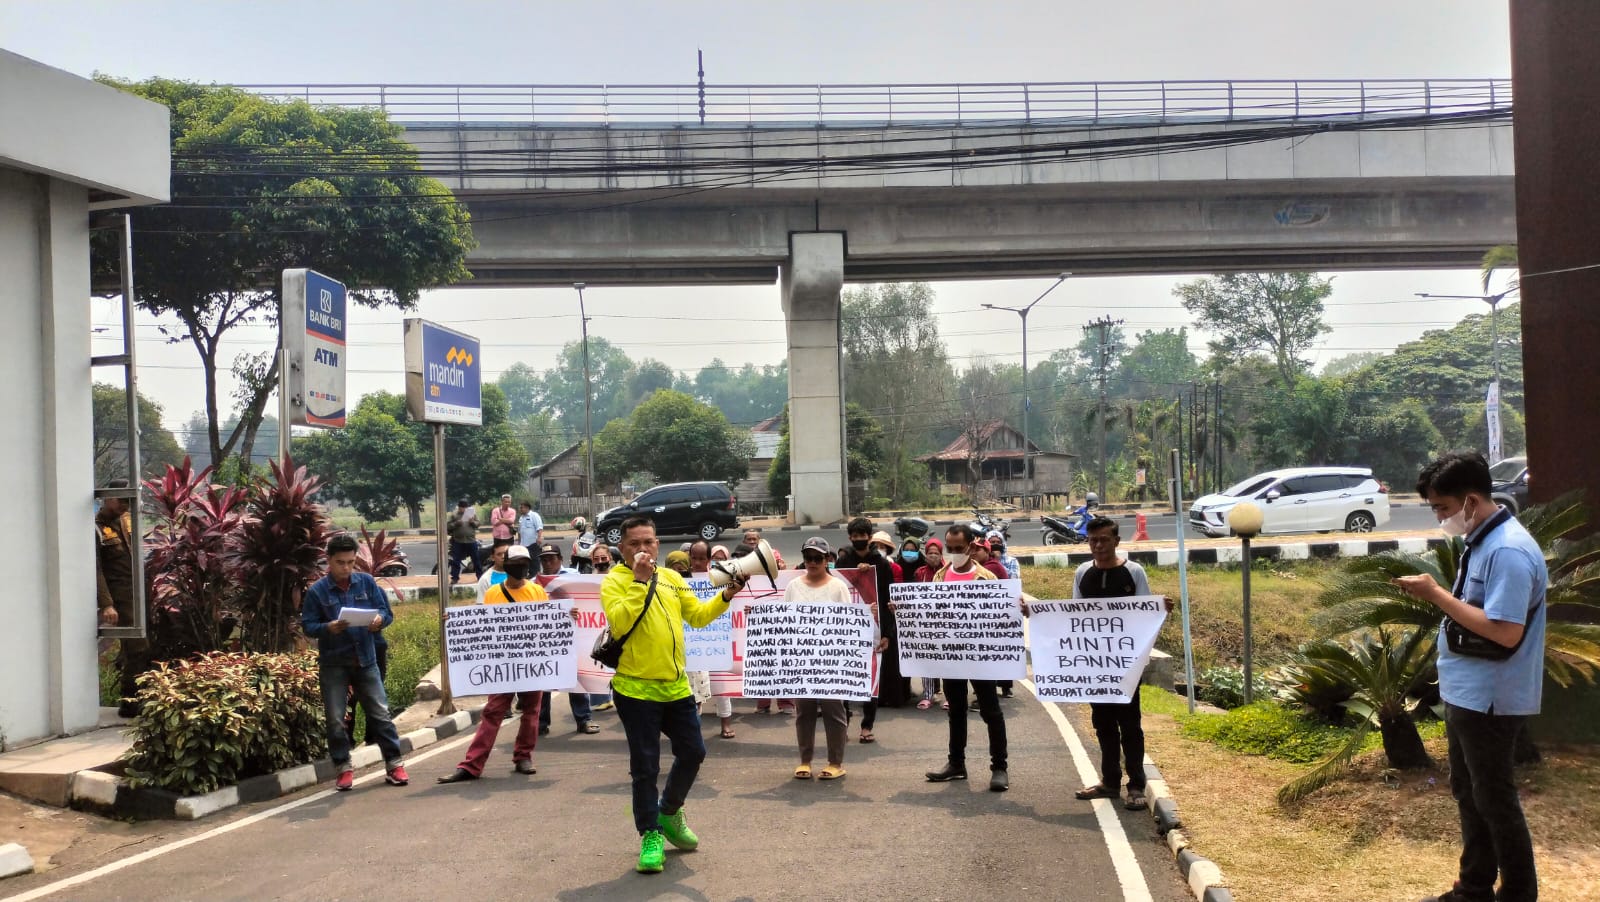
588, 423
1220, 484
1027, 467
1103, 351
1493, 300
700, 57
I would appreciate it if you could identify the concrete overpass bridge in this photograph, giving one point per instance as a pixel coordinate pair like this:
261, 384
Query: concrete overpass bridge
814, 186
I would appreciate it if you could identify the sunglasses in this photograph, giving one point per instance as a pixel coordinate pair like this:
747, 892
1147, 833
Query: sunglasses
813, 558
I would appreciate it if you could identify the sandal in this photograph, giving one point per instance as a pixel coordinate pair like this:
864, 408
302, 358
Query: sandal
589, 726
925, 704
1136, 800
727, 733
945, 705
866, 736
1096, 791
803, 772
831, 772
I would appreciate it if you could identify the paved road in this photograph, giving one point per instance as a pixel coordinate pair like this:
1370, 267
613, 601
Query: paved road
882, 832
1406, 517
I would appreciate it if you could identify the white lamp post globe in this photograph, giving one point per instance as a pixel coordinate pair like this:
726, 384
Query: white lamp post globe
1245, 519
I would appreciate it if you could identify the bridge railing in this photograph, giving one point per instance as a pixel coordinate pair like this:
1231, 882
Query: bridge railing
909, 104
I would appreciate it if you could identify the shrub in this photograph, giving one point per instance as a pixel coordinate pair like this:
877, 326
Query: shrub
221, 718
413, 650
276, 553
1224, 686
1265, 728
191, 588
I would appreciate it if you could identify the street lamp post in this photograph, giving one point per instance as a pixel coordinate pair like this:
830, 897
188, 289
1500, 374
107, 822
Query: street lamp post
1027, 471
1493, 300
588, 425
1245, 520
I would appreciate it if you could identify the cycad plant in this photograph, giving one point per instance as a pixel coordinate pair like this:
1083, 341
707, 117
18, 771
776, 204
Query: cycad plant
1363, 597
1385, 669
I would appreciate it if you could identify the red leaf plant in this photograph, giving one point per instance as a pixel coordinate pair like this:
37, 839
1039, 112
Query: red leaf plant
191, 587
276, 554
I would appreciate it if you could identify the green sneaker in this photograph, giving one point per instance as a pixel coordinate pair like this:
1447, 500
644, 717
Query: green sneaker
676, 828
652, 853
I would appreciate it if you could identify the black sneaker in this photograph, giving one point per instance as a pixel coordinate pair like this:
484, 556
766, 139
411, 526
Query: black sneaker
947, 773
1454, 894
999, 781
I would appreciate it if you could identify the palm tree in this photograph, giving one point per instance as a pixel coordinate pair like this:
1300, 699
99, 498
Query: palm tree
1386, 669
1501, 255
1363, 597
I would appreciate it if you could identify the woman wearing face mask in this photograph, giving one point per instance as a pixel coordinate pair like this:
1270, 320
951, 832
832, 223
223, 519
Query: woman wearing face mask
911, 560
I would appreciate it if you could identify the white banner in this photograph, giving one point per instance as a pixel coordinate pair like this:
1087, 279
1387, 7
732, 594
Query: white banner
730, 682
1492, 412
521, 647
1092, 649
709, 647
809, 650
967, 630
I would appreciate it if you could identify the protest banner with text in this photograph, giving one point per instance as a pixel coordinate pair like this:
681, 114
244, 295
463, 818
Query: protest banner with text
808, 650
521, 647
1093, 649
967, 630
730, 682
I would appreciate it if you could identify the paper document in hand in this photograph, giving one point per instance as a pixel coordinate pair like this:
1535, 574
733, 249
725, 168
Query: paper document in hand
357, 616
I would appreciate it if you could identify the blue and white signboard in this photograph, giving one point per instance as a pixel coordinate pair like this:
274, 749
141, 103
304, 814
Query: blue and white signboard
444, 375
314, 338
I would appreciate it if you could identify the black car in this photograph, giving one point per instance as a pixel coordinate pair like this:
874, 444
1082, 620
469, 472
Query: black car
701, 509
1511, 483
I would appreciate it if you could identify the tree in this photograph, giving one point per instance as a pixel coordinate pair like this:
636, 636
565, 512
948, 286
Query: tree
895, 367
676, 439
649, 377
1307, 427
746, 395
522, 387
1279, 313
563, 385
261, 185
376, 462
1157, 363
157, 447
383, 460
863, 450
1347, 364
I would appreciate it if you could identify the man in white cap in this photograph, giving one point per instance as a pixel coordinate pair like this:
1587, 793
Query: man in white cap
519, 586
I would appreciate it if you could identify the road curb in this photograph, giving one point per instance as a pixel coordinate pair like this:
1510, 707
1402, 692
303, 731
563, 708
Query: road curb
103, 793
1288, 551
1202, 874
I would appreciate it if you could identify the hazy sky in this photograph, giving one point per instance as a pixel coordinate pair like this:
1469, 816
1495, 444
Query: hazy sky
752, 42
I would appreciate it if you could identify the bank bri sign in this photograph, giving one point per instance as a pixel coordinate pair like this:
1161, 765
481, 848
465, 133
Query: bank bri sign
315, 333
444, 375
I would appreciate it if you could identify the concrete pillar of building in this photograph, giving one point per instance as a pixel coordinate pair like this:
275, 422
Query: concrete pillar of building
1556, 78
66, 520
811, 283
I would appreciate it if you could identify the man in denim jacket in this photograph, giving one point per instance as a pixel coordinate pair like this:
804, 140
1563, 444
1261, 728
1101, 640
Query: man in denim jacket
347, 659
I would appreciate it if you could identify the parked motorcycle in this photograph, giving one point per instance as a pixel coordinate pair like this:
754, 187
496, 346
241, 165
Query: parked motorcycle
912, 528
1071, 529
398, 565
987, 524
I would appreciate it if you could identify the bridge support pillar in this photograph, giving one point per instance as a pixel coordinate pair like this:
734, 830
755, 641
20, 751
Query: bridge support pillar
811, 282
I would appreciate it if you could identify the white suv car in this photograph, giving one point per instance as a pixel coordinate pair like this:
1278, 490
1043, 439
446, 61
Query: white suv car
1303, 499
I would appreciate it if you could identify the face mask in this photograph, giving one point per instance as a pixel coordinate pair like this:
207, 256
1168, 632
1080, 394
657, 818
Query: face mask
830, 565
1455, 525
518, 570
908, 556
958, 561
859, 544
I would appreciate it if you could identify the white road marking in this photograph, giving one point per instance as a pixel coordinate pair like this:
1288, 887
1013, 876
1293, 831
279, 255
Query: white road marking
50, 889
1129, 874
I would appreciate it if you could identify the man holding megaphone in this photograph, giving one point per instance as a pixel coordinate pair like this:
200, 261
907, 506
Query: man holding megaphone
648, 605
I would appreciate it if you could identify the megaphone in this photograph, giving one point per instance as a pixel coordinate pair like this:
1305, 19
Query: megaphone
759, 561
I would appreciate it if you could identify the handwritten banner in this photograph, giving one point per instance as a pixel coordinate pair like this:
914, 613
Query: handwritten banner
522, 647
730, 682
811, 650
710, 647
967, 630
1093, 649
582, 591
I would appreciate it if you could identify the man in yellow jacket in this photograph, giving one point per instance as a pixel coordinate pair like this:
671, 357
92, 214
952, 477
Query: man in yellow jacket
651, 686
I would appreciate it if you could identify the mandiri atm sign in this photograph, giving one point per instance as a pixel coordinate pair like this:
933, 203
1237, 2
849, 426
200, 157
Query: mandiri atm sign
444, 377
314, 335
